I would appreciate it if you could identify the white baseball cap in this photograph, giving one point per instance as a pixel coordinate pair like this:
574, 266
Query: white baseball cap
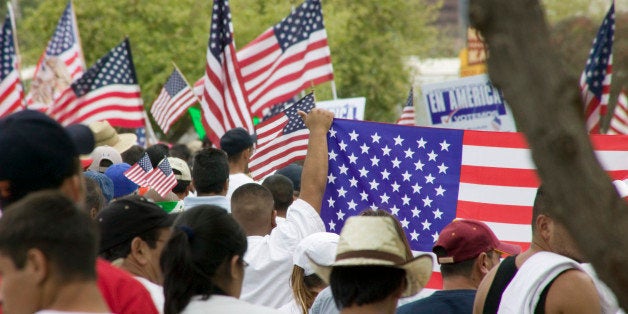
320, 247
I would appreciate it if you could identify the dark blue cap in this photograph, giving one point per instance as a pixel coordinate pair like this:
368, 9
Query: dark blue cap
293, 172
236, 140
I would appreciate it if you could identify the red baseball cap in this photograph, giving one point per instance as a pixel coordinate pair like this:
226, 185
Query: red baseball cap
465, 239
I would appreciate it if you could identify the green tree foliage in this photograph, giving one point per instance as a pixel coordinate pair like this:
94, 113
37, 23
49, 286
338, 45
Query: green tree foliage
369, 39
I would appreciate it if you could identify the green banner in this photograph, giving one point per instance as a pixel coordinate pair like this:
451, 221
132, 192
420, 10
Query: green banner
195, 113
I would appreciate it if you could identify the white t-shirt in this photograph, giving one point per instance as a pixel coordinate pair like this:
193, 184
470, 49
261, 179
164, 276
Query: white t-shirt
237, 180
267, 278
291, 308
220, 304
156, 292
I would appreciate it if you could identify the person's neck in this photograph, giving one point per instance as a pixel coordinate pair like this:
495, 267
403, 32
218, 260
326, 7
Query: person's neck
459, 283
136, 269
211, 194
535, 246
387, 306
237, 167
81, 296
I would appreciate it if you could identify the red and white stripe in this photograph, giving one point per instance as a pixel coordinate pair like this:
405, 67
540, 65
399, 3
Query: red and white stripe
271, 76
619, 121
166, 110
120, 104
498, 183
276, 150
11, 94
224, 103
407, 116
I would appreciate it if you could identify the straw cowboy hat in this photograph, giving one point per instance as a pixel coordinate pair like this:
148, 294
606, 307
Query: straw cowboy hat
374, 241
105, 134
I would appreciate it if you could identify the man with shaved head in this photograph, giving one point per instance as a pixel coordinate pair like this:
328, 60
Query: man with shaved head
270, 250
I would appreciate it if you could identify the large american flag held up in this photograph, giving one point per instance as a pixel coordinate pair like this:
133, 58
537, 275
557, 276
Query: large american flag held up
281, 140
224, 102
407, 114
595, 81
11, 92
287, 58
619, 121
107, 91
138, 173
174, 99
426, 177
61, 63
162, 179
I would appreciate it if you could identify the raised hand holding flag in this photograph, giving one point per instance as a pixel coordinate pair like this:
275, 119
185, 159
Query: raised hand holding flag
281, 139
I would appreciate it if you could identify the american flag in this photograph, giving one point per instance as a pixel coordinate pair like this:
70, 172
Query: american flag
287, 58
11, 92
61, 63
407, 115
107, 91
595, 81
162, 179
173, 100
138, 173
426, 177
224, 101
619, 121
281, 140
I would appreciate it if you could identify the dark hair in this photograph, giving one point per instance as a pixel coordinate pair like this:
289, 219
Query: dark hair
360, 285
156, 153
251, 207
123, 249
210, 171
282, 189
181, 151
203, 239
93, 195
132, 155
50, 222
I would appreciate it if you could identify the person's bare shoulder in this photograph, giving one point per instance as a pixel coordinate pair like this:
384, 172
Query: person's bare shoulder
573, 292
480, 296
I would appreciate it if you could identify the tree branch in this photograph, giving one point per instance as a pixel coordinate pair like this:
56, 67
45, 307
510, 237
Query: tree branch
547, 108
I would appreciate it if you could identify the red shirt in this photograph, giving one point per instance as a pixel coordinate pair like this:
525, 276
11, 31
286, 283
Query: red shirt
123, 293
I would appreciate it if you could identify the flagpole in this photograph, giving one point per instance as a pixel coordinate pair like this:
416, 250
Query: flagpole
150, 133
78, 36
17, 49
333, 89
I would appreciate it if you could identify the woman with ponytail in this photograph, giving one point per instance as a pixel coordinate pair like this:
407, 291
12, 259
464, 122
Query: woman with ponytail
203, 266
321, 248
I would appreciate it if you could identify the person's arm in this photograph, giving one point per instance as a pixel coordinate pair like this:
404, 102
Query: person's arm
480, 295
573, 292
314, 175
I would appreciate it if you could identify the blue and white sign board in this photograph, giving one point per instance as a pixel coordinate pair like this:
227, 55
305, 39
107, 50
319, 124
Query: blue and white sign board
470, 103
348, 108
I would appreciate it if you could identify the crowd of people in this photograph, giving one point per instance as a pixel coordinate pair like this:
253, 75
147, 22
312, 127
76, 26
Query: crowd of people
78, 236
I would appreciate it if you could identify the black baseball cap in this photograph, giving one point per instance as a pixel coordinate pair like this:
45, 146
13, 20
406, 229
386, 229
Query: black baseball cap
129, 217
236, 140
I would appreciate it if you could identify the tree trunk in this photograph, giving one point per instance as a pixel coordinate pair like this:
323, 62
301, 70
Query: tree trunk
547, 107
